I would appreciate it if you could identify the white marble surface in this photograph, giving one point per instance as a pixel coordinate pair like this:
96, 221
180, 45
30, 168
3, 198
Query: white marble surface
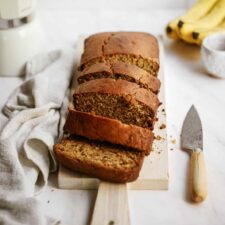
186, 84
114, 4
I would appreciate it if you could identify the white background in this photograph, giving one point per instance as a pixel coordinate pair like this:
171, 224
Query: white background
114, 4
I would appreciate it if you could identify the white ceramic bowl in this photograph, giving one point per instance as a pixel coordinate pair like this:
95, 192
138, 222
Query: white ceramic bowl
213, 54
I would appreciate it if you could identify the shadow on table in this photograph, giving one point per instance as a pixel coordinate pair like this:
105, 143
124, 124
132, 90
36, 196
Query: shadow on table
188, 52
185, 51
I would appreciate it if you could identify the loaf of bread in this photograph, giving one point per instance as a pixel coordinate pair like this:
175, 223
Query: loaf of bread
117, 99
114, 107
105, 129
140, 49
120, 70
102, 160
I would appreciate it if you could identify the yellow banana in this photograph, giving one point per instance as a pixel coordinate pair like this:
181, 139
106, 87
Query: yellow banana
197, 11
199, 35
171, 29
210, 20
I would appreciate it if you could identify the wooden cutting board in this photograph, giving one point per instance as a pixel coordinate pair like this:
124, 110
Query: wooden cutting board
154, 173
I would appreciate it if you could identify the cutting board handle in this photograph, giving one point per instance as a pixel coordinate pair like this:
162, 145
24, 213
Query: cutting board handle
198, 177
111, 206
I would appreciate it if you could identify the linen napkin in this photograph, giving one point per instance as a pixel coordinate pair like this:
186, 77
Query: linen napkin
34, 110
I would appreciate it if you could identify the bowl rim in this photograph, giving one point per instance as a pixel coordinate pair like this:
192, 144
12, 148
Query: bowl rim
216, 37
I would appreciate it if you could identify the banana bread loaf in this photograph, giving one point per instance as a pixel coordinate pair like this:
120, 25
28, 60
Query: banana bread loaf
105, 129
117, 99
101, 160
114, 107
137, 48
120, 70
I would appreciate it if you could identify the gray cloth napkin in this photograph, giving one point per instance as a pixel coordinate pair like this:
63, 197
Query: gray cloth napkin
26, 141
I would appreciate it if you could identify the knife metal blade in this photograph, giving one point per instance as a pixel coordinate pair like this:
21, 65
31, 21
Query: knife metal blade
191, 135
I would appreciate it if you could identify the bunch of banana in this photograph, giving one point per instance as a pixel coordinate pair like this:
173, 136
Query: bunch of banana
204, 18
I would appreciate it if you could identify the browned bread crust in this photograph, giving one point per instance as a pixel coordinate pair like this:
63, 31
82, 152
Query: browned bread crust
105, 129
120, 70
128, 90
104, 161
116, 78
139, 48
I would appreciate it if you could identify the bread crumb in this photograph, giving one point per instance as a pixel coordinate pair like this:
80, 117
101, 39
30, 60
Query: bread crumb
158, 138
173, 141
162, 126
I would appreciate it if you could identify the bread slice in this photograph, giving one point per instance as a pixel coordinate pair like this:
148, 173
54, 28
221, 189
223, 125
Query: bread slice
120, 70
101, 160
117, 99
137, 48
105, 129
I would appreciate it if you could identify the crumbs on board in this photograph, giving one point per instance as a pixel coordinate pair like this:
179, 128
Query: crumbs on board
162, 126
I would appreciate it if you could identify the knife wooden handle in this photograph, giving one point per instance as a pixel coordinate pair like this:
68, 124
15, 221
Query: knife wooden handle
198, 177
111, 205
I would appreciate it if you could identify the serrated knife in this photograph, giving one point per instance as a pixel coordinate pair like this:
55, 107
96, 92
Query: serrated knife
192, 140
